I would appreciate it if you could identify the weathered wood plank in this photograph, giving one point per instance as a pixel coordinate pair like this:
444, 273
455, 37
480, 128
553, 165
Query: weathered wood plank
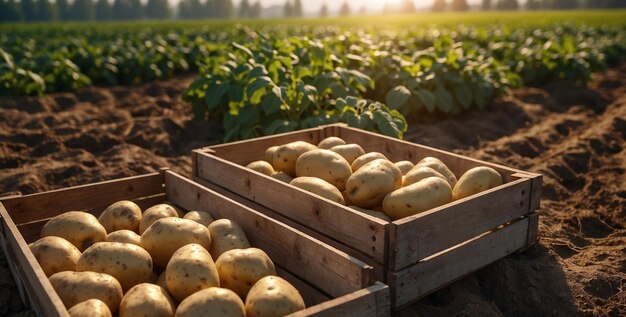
372, 301
310, 294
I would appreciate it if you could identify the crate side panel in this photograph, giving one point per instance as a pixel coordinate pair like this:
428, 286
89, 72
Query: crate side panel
370, 302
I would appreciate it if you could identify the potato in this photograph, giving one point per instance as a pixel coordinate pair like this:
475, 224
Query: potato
368, 186
76, 287
155, 213
201, 217
154, 277
262, 167
128, 263
324, 164
212, 301
319, 187
273, 296
286, 156
373, 213
404, 166
161, 280
349, 151
55, 254
239, 269
190, 270
90, 308
440, 167
269, 154
79, 228
167, 235
179, 212
329, 142
283, 177
147, 300
426, 194
418, 173
121, 215
124, 236
366, 158
226, 235
476, 180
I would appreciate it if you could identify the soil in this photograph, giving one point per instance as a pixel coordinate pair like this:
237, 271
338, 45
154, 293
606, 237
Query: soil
572, 134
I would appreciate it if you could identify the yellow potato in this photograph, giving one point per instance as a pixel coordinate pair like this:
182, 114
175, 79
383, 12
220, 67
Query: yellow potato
161, 281
475, 181
226, 235
212, 301
147, 300
286, 156
324, 164
121, 215
262, 167
283, 177
179, 212
404, 166
440, 167
269, 154
155, 213
349, 151
55, 254
368, 186
167, 235
77, 287
366, 158
329, 142
426, 194
418, 173
201, 217
79, 228
273, 296
124, 236
239, 269
319, 187
90, 308
190, 270
129, 264
373, 213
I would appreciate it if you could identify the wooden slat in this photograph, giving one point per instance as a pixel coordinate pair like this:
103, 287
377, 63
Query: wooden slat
535, 188
310, 295
372, 301
444, 268
361, 232
533, 229
45, 205
29, 273
335, 272
424, 234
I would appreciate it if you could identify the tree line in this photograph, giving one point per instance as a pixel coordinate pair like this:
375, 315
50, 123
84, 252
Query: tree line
486, 5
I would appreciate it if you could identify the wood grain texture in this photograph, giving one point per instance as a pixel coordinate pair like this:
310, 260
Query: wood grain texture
310, 294
372, 301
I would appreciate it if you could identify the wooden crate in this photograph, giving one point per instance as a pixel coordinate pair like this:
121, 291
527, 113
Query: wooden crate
331, 282
415, 255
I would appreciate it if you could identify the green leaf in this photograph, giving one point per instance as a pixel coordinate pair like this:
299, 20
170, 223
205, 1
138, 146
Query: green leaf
428, 99
385, 124
244, 49
258, 83
214, 94
397, 97
280, 126
463, 95
445, 103
248, 115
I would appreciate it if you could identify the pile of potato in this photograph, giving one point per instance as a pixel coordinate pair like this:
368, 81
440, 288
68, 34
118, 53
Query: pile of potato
159, 262
369, 182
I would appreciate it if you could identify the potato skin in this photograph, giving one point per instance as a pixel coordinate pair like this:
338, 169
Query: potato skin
283, 177
190, 270
262, 167
373, 213
404, 166
226, 235
368, 186
201, 217
269, 154
349, 151
55, 254
324, 164
90, 308
440, 167
418, 173
76, 287
426, 194
79, 228
319, 187
121, 215
287, 155
167, 235
476, 180
212, 301
155, 213
329, 142
239, 269
124, 236
366, 158
147, 300
129, 264
272, 296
